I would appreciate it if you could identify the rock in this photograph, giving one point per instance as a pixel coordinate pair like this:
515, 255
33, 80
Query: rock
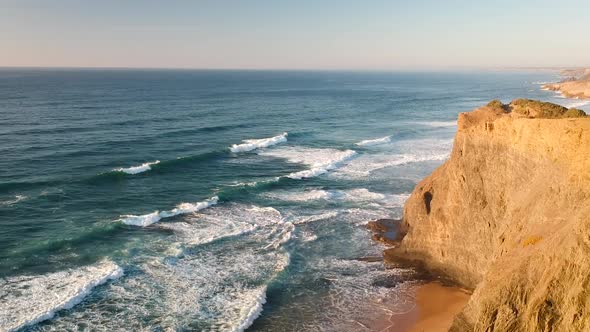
385, 231
508, 215
576, 86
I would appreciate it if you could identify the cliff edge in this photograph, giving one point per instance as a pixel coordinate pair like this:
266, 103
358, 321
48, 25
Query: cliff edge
508, 215
576, 86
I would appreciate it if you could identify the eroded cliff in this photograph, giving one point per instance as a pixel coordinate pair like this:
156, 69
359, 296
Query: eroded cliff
576, 86
508, 215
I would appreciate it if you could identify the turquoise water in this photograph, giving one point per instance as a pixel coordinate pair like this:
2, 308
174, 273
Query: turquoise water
124, 206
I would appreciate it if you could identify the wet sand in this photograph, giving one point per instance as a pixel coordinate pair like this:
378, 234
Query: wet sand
435, 307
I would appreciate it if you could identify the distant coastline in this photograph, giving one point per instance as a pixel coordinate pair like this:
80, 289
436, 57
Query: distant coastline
576, 83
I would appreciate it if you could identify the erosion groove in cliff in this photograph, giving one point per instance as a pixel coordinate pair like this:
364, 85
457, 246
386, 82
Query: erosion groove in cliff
508, 215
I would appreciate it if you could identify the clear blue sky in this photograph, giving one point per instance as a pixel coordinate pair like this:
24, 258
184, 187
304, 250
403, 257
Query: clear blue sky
297, 34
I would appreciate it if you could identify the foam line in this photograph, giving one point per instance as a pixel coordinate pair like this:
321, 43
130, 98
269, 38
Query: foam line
154, 217
137, 169
29, 300
376, 141
253, 144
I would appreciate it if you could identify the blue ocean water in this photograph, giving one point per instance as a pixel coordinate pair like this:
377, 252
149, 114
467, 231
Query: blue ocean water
216, 200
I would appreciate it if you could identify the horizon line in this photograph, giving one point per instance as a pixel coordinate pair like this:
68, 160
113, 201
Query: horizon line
402, 69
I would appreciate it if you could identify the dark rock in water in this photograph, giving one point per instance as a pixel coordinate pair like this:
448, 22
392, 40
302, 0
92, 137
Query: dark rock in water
385, 230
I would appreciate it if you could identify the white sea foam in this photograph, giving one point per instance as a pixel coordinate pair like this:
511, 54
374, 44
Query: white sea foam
137, 169
301, 196
220, 288
354, 284
437, 123
28, 300
307, 236
154, 217
577, 103
376, 141
253, 144
361, 195
320, 161
250, 313
16, 199
405, 152
298, 220
281, 236
230, 221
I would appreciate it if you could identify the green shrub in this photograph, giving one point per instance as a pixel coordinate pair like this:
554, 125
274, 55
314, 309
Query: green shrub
540, 109
495, 104
574, 113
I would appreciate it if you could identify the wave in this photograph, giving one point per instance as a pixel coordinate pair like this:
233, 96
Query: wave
17, 198
312, 218
137, 169
409, 151
229, 221
249, 314
577, 103
320, 161
361, 195
365, 166
304, 196
438, 124
253, 144
218, 288
154, 217
29, 300
375, 141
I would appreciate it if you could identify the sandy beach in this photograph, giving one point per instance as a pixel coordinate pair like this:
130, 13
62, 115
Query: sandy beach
435, 307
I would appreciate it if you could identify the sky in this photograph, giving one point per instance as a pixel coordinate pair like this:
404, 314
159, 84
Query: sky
297, 34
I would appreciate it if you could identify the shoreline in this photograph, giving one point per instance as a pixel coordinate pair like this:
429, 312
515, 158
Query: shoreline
436, 307
433, 308
434, 302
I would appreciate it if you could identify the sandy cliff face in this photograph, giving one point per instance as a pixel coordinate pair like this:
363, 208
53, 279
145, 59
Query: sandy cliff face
577, 87
508, 215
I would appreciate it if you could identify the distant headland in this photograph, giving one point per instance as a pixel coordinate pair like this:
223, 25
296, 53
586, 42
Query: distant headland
576, 83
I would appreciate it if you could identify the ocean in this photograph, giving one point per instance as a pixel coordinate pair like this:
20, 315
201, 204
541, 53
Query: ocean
195, 200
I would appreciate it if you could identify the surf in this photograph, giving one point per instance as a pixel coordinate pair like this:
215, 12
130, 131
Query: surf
253, 144
137, 169
28, 300
152, 218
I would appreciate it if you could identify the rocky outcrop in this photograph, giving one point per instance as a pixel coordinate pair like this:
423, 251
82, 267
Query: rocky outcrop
576, 86
508, 215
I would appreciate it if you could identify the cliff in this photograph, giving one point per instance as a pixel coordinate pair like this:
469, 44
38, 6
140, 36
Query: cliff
577, 86
508, 215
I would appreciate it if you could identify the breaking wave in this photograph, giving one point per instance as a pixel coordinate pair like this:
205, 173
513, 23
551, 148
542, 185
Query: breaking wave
154, 217
406, 152
28, 300
253, 144
437, 123
320, 161
137, 169
577, 103
17, 198
376, 141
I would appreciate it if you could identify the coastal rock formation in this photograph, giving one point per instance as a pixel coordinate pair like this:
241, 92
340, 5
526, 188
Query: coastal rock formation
576, 86
508, 215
